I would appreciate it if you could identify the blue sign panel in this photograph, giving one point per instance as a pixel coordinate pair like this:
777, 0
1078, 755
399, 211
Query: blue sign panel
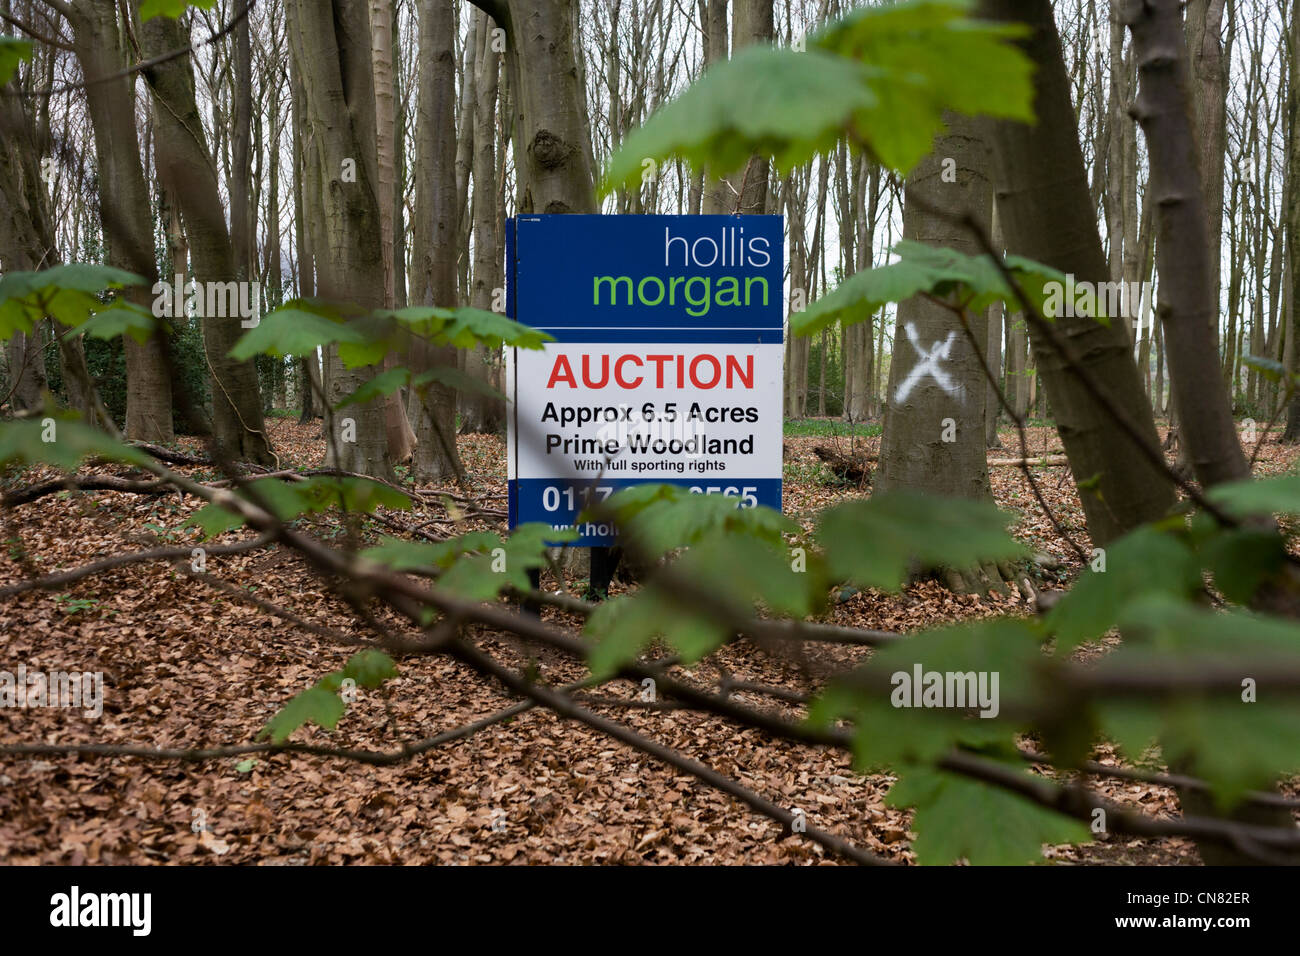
667, 364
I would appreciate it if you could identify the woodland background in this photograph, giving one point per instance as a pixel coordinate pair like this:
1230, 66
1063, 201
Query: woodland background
1091, 511
627, 59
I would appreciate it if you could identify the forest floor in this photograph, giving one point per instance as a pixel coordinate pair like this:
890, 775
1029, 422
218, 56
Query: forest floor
185, 665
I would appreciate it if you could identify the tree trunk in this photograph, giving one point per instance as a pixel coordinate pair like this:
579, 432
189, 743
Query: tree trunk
309, 366
549, 108
933, 437
1290, 318
1019, 368
25, 361
1187, 309
188, 173
822, 346
1158, 393
718, 199
1184, 253
1047, 214
859, 400
436, 238
397, 427
480, 412
401, 98
465, 133
330, 45
381, 50
1146, 306
993, 354
124, 206
1115, 154
27, 242
751, 23
1208, 86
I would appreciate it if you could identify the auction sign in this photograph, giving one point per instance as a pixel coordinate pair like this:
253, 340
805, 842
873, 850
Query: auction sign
666, 365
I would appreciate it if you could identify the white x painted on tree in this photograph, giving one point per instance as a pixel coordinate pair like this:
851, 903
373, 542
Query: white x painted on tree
928, 365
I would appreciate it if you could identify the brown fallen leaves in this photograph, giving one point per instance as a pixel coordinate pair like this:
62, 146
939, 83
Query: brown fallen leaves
185, 665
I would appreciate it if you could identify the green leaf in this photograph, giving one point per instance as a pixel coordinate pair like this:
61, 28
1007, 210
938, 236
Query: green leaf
875, 543
974, 280
622, 627
12, 52
370, 668
745, 573
317, 705
213, 520
122, 318
660, 518
482, 576
289, 500
68, 293
401, 555
958, 818
70, 277
883, 74
389, 381
467, 327
930, 51
1242, 559
1174, 637
332, 682
878, 697
1133, 725
301, 326
246, 765
298, 327
374, 336
361, 495
1258, 496
454, 378
530, 541
1142, 563
170, 8
778, 103
385, 383
1271, 369
70, 441
1234, 744
1195, 637
739, 572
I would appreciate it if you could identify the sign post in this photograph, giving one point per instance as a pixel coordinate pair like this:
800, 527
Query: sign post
666, 365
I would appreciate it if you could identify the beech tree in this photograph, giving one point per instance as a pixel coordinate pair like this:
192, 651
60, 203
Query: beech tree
99, 44
482, 412
434, 244
329, 44
934, 429
1045, 212
1293, 220
189, 172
